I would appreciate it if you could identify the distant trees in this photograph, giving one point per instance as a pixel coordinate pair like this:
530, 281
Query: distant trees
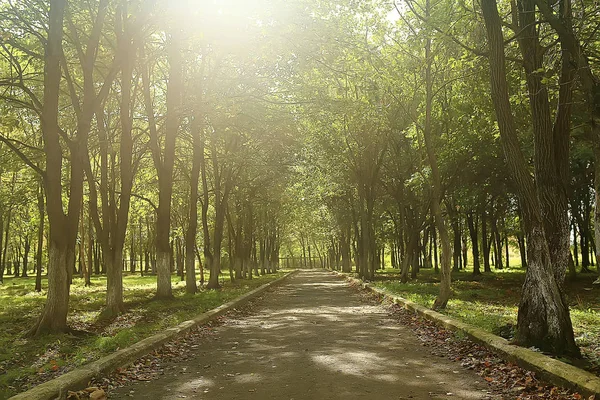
443, 146
160, 137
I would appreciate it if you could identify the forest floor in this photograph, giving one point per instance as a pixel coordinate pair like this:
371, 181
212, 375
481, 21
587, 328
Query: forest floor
490, 301
26, 361
316, 337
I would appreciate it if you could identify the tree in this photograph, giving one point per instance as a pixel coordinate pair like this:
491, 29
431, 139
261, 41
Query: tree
544, 319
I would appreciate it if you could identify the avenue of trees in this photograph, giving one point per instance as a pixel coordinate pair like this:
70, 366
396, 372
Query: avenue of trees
238, 137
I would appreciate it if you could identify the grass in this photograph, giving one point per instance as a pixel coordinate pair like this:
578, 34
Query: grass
491, 300
25, 360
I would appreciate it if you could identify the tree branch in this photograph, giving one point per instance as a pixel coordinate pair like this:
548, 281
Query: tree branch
22, 155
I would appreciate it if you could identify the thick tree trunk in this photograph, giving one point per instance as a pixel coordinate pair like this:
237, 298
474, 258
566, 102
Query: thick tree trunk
551, 141
543, 319
590, 83
165, 166
54, 315
114, 283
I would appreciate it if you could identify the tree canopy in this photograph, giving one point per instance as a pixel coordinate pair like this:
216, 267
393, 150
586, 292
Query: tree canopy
239, 137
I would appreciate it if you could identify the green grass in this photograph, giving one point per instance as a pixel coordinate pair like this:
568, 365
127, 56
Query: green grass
23, 359
491, 300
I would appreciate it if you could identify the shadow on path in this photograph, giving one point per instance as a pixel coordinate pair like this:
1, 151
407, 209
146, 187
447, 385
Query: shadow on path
312, 338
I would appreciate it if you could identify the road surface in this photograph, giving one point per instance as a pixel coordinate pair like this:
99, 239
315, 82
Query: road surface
313, 337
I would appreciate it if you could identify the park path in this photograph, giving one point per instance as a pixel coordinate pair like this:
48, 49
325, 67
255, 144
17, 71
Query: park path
313, 337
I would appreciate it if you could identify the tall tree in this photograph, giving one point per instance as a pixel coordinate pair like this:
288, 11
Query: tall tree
544, 319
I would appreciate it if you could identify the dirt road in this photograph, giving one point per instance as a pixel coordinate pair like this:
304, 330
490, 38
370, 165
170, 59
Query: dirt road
312, 338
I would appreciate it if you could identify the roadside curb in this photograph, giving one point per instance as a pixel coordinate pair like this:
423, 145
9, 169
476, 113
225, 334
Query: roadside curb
549, 369
80, 377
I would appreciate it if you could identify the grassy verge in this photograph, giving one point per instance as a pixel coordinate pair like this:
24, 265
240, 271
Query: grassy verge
26, 360
491, 301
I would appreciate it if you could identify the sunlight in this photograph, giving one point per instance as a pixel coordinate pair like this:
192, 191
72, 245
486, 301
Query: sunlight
229, 22
358, 363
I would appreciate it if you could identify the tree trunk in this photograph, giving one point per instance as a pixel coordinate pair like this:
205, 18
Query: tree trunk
507, 253
2, 265
345, 250
221, 190
497, 244
551, 141
40, 240
408, 255
484, 243
190, 236
6, 237
90, 254
436, 266
165, 165
543, 319
54, 315
474, 243
436, 191
26, 249
590, 83
114, 283
455, 240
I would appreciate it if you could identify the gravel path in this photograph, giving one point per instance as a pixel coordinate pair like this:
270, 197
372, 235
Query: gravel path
312, 338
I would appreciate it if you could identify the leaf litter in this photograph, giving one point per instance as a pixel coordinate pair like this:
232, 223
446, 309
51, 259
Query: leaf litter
505, 379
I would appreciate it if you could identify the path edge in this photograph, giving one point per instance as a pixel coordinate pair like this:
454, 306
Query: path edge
80, 377
551, 370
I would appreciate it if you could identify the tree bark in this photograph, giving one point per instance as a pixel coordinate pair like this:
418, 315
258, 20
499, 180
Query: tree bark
597, 205
190, 236
54, 315
474, 243
551, 141
543, 319
436, 190
6, 237
40, 239
221, 194
164, 161
485, 243
497, 244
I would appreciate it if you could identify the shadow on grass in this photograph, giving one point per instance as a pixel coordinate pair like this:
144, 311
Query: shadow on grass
491, 302
24, 361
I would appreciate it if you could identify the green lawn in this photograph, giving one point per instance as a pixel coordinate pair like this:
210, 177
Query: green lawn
491, 300
24, 360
